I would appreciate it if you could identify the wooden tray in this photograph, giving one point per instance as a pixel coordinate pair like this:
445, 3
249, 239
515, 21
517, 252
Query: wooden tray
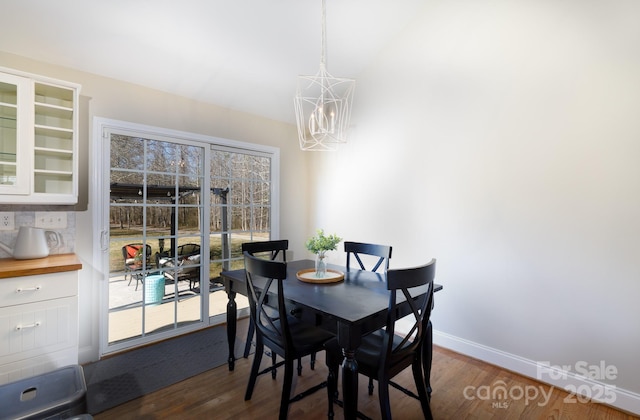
309, 276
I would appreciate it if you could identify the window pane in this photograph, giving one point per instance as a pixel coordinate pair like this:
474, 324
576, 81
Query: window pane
129, 152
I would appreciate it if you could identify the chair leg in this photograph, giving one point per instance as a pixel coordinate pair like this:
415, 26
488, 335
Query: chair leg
313, 361
383, 396
370, 386
286, 389
255, 367
299, 366
427, 356
247, 345
332, 383
273, 362
418, 378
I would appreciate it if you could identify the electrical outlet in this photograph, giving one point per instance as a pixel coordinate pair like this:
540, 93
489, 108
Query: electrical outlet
7, 220
51, 219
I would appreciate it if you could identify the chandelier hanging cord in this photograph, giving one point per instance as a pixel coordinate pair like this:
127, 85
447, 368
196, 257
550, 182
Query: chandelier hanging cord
323, 47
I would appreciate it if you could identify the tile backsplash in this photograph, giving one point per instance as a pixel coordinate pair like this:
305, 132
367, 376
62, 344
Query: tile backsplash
28, 218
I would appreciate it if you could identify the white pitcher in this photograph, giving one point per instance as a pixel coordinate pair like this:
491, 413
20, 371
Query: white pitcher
31, 243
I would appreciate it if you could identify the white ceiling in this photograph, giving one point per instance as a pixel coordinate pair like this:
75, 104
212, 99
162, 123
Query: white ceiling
240, 54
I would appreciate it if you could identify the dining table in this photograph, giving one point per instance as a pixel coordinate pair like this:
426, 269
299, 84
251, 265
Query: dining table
350, 308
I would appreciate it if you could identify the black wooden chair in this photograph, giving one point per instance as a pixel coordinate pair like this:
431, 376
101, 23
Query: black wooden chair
358, 249
383, 354
137, 258
270, 250
275, 328
375, 256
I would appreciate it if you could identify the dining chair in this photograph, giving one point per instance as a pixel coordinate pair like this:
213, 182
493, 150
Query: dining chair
275, 328
136, 257
270, 250
381, 254
358, 249
384, 353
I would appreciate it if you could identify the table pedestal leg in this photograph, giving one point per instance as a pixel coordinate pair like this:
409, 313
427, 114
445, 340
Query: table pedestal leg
232, 316
350, 384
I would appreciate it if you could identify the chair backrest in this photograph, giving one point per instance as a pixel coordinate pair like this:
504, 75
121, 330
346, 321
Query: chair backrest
271, 324
356, 249
188, 250
130, 251
274, 248
407, 283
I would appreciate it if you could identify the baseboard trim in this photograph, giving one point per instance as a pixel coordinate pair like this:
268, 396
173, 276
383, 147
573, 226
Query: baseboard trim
570, 381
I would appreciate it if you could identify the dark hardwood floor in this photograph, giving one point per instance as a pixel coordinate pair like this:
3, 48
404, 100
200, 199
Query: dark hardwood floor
219, 394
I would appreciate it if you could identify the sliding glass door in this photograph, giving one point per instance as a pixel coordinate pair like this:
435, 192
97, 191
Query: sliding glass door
176, 209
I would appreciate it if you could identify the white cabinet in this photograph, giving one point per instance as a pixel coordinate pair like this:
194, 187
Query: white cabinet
38, 140
38, 324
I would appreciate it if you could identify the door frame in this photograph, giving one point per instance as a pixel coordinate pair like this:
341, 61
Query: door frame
101, 150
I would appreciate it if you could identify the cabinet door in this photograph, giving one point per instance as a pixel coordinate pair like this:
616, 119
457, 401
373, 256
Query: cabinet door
16, 139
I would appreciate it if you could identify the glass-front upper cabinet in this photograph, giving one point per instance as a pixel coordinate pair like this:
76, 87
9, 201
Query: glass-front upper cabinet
14, 178
38, 140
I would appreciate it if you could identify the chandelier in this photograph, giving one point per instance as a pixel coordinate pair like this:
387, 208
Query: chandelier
323, 105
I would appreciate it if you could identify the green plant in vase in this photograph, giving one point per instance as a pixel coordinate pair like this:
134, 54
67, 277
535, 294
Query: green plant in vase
320, 244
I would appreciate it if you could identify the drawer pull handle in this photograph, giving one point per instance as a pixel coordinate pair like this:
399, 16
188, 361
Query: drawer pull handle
28, 289
22, 327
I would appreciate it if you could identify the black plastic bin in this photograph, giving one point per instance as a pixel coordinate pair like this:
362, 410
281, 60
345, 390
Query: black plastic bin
60, 394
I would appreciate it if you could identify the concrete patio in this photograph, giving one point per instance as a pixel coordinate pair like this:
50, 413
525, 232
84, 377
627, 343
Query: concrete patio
126, 307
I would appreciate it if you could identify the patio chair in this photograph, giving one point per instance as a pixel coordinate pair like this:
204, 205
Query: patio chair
188, 265
137, 258
188, 270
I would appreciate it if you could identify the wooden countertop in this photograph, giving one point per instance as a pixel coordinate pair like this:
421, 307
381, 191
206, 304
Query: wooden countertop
10, 267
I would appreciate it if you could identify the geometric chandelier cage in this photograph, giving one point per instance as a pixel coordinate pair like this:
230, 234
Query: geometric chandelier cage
323, 105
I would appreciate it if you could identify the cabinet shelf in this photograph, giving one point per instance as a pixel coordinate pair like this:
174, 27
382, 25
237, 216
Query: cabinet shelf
52, 130
8, 117
53, 161
53, 138
53, 95
53, 182
53, 107
50, 172
55, 118
8, 94
7, 159
53, 152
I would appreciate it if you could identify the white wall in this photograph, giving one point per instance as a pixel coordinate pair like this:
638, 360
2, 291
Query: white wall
503, 139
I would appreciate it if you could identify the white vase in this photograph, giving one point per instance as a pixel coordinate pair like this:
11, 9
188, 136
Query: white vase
321, 265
